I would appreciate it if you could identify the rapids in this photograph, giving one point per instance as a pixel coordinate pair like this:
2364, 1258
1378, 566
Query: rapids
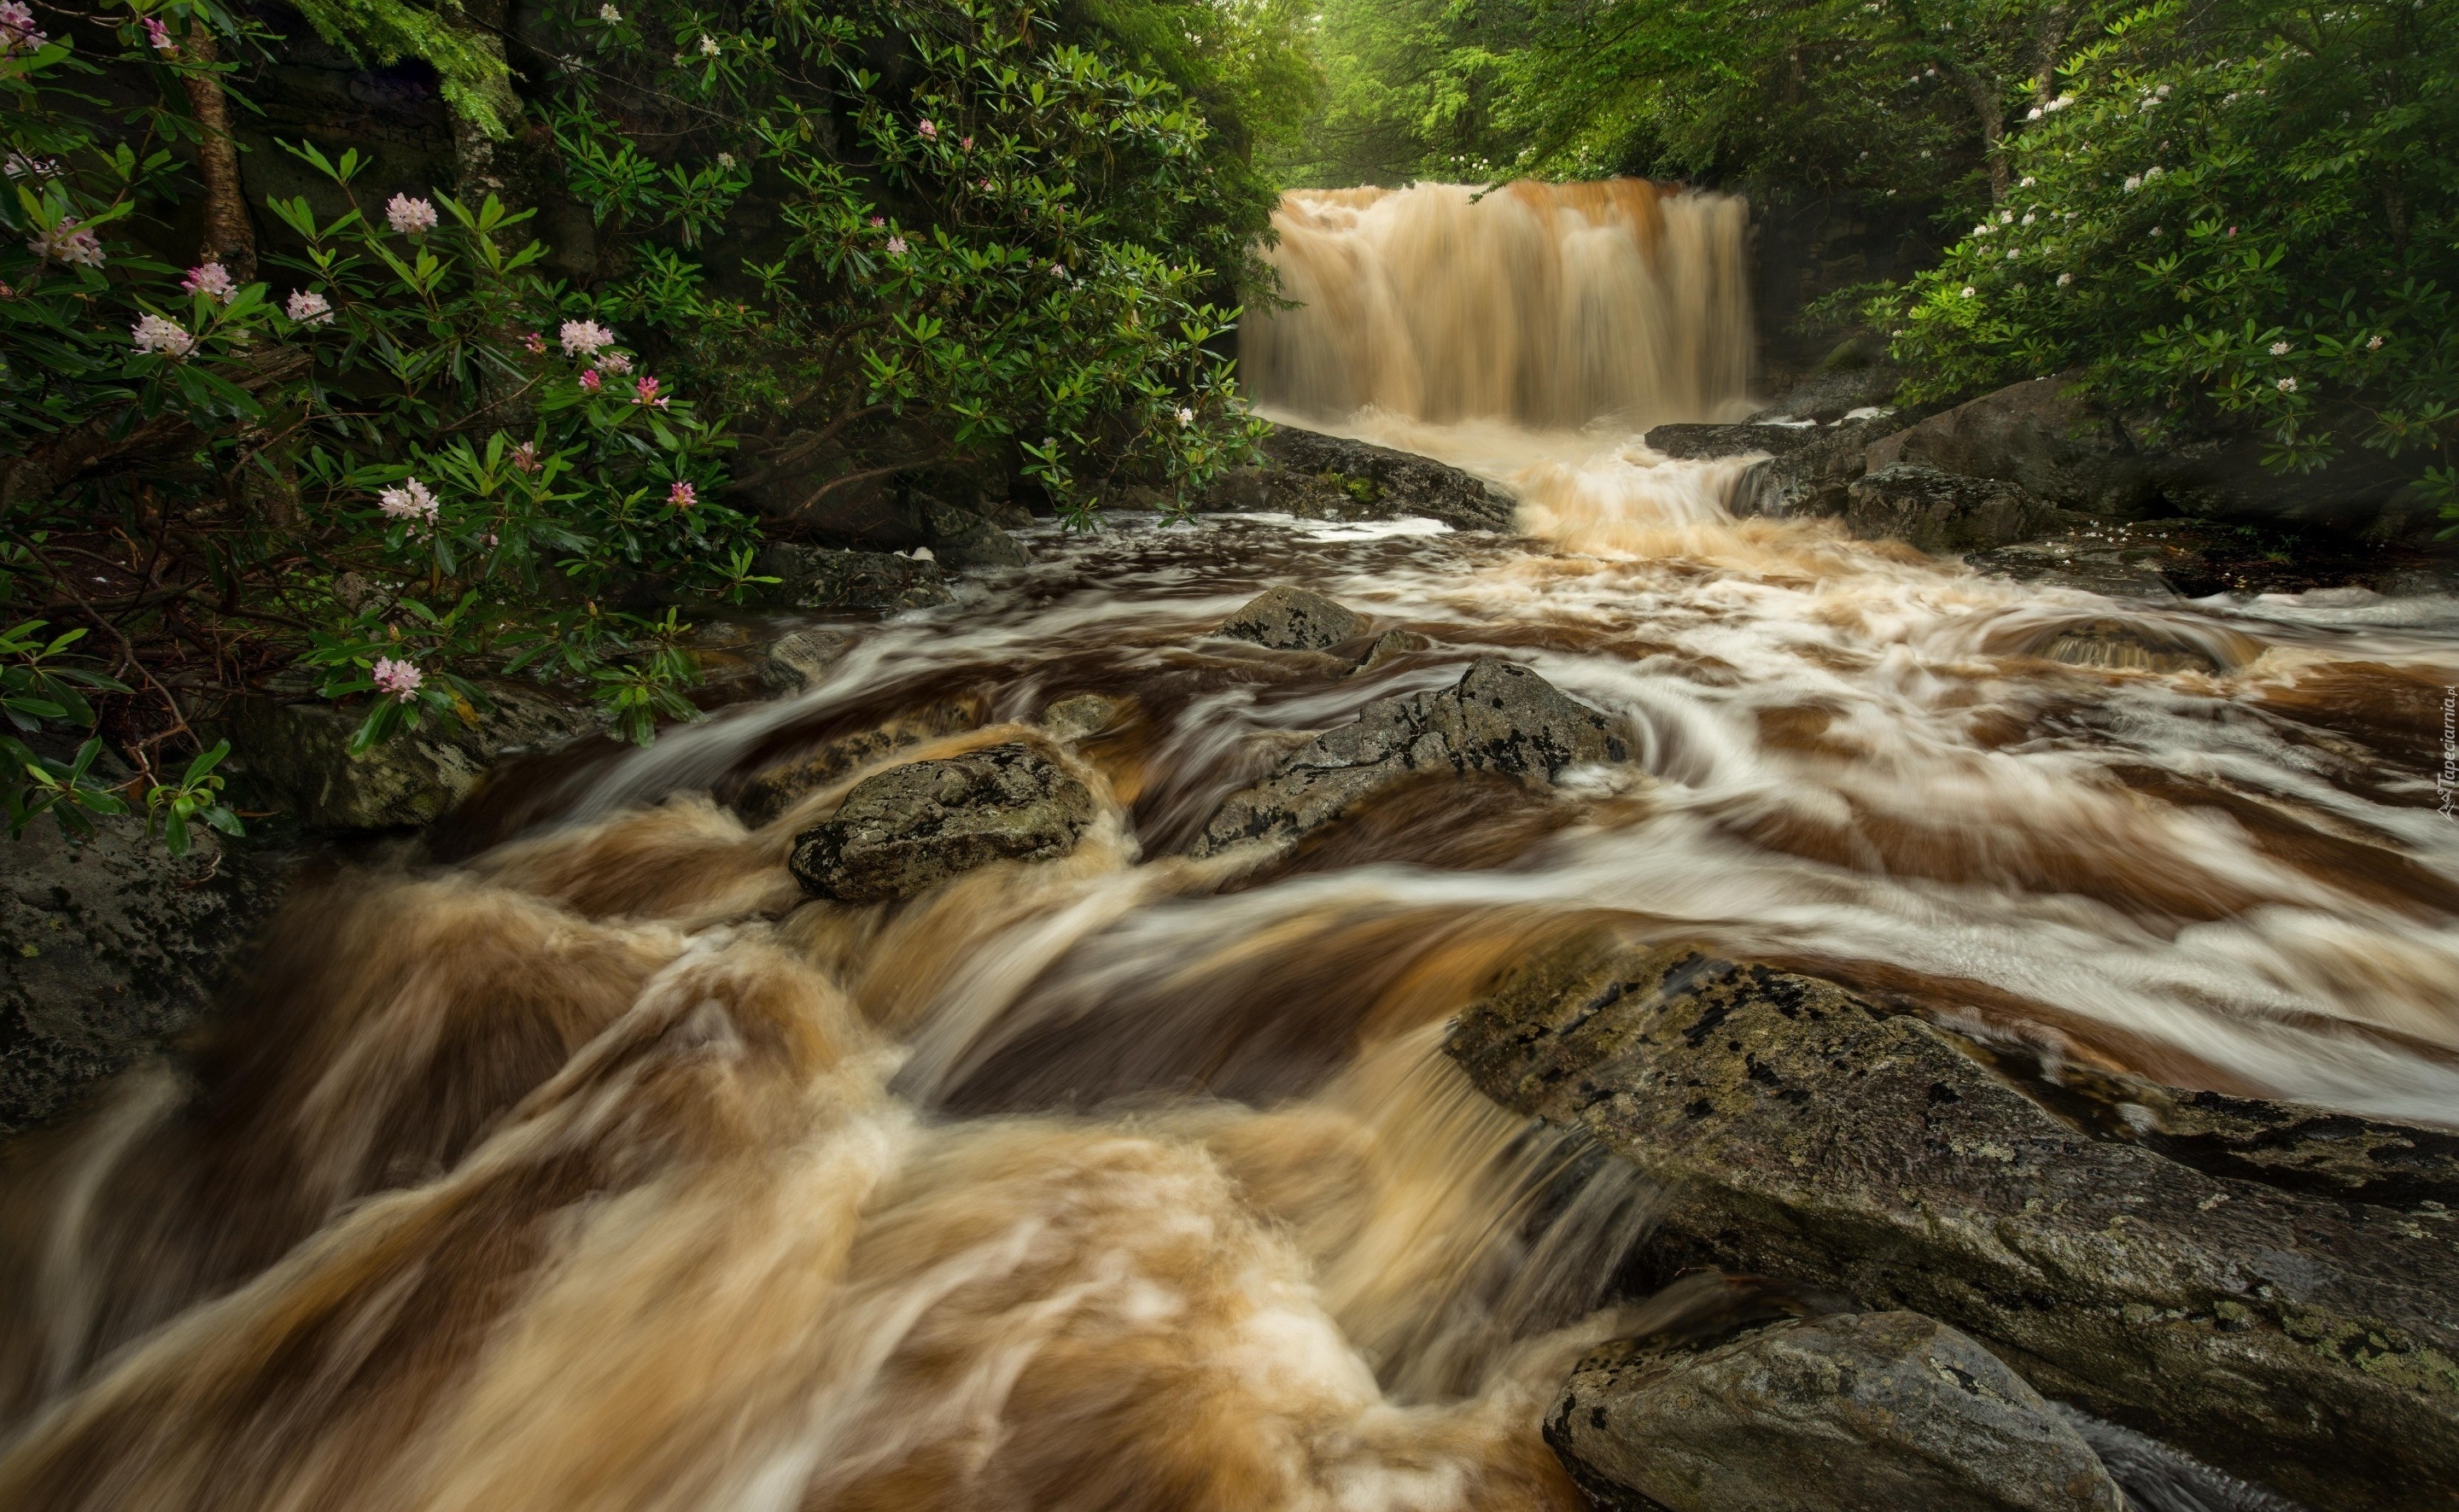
578, 1162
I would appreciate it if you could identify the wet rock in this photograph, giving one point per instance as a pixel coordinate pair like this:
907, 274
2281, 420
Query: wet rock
2116, 647
798, 663
2041, 437
908, 828
968, 541
1813, 477
296, 756
108, 946
2302, 1341
1289, 618
1392, 644
1874, 1411
1707, 442
1316, 476
1942, 512
773, 790
1500, 716
2114, 569
1072, 719
822, 580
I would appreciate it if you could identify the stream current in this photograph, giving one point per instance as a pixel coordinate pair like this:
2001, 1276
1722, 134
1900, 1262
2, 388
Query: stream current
600, 1169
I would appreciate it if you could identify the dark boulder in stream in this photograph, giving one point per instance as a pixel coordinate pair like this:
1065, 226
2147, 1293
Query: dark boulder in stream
1877, 1412
1319, 477
1290, 618
911, 827
1500, 716
1944, 511
2302, 1340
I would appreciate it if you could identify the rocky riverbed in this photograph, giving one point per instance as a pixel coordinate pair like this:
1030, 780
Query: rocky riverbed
1882, 1235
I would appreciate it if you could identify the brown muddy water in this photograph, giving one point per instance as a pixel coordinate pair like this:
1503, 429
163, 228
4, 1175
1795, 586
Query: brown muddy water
599, 1168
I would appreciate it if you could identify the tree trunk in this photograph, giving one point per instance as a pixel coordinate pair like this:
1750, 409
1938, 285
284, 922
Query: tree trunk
2046, 44
1990, 112
229, 237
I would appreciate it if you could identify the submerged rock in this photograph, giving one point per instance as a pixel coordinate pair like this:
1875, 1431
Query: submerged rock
2303, 1341
1878, 1411
822, 580
908, 828
1289, 618
1390, 645
2114, 646
797, 663
2114, 569
1500, 716
773, 790
1072, 718
1942, 512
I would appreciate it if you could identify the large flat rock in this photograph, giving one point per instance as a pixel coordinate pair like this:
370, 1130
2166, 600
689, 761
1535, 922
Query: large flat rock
2298, 1340
1877, 1412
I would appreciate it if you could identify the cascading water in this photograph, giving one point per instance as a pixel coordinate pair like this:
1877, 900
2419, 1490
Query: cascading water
602, 1169
1550, 307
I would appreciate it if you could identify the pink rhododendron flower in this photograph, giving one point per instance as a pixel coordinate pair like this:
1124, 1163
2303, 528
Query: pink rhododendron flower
896, 247
616, 362
398, 680
683, 496
525, 457
646, 392
309, 309
155, 334
409, 501
410, 217
585, 338
535, 342
158, 36
67, 243
966, 143
18, 33
877, 221
211, 279
589, 381
929, 130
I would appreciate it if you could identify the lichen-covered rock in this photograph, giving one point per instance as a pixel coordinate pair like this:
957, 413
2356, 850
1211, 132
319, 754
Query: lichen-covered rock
911, 827
297, 756
109, 945
1500, 716
823, 580
2298, 1340
1942, 512
771, 790
1877, 1412
1290, 618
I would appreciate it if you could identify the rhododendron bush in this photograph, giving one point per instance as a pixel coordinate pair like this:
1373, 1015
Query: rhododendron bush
371, 440
2250, 223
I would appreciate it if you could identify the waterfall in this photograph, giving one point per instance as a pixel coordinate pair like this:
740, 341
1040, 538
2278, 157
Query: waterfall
1550, 307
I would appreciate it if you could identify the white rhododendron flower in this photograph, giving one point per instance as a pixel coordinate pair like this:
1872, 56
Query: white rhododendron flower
155, 334
409, 216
